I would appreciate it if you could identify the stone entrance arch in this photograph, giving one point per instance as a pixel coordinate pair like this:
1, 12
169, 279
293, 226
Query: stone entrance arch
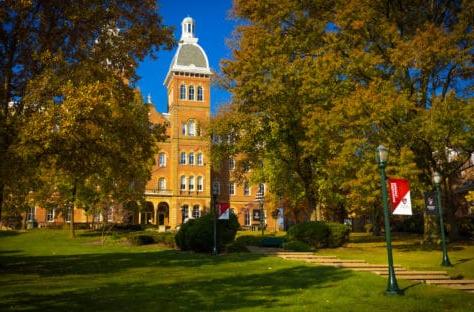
148, 213
163, 214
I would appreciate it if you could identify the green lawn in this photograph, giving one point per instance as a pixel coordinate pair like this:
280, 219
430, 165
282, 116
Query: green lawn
45, 270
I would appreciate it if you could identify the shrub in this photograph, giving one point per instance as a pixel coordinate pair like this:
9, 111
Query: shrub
313, 233
237, 246
338, 234
296, 246
198, 234
319, 234
140, 239
466, 227
249, 240
166, 239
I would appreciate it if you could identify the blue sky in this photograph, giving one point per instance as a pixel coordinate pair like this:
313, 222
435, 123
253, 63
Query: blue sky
213, 27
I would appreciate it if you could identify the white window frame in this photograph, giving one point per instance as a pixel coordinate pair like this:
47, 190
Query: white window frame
247, 217
191, 158
192, 128
199, 159
261, 188
161, 184
191, 183
231, 188
182, 158
200, 184
231, 163
195, 215
185, 212
51, 215
182, 180
162, 160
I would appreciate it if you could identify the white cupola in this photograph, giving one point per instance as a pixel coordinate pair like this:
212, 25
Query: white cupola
188, 30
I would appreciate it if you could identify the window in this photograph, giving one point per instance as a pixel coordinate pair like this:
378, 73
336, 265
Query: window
199, 159
196, 212
199, 184
183, 183
256, 215
191, 93
200, 95
182, 92
184, 213
162, 160
191, 183
182, 158
30, 217
246, 189
192, 128
231, 188
247, 217
231, 163
216, 186
261, 188
191, 159
110, 215
50, 215
184, 129
162, 184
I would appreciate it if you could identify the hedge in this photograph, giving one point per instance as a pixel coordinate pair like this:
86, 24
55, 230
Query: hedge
319, 234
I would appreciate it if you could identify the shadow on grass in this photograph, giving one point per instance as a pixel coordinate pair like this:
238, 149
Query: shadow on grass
85, 264
8, 233
424, 247
257, 291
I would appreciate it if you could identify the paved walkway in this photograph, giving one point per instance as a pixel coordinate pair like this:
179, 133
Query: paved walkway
439, 278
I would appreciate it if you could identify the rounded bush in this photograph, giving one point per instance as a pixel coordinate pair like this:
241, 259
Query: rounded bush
296, 246
198, 234
237, 246
319, 234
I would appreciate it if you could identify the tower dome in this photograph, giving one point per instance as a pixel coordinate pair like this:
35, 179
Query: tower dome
190, 56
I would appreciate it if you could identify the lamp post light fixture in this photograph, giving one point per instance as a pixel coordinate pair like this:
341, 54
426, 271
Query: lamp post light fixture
437, 182
260, 197
392, 286
215, 192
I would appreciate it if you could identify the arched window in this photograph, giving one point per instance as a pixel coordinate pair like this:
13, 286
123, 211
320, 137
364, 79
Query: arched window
182, 158
161, 184
200, 95
191, 183
261, 188
184, 129
200, 185
192, 128
246, 217
196, 212
162, 160
191, 159
191, 93
199, 160
183, 183
182, 92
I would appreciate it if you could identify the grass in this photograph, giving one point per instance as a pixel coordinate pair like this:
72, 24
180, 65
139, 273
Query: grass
44, 270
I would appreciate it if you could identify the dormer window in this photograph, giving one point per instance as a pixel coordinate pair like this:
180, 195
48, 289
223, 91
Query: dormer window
191, 93
182, 92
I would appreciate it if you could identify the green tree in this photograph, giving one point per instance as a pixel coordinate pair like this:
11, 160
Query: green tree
58, 59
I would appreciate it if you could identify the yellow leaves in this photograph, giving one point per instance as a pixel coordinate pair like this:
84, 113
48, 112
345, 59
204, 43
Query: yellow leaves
357, 24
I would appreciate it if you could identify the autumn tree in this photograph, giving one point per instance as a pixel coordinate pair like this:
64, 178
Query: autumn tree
67, 75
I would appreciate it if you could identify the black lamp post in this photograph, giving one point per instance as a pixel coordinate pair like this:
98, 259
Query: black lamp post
382, 156
437, 181
215, 192
260, 197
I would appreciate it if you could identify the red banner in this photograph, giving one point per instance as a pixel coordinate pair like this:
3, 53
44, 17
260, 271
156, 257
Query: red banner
223, 210
400, 196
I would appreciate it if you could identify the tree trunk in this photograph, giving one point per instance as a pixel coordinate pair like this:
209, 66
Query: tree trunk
449, 208
74, 191
2, 187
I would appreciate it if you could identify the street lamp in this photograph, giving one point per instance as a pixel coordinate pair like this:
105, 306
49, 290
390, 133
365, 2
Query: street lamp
437, 181
260, 197
215, 192
382, 156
